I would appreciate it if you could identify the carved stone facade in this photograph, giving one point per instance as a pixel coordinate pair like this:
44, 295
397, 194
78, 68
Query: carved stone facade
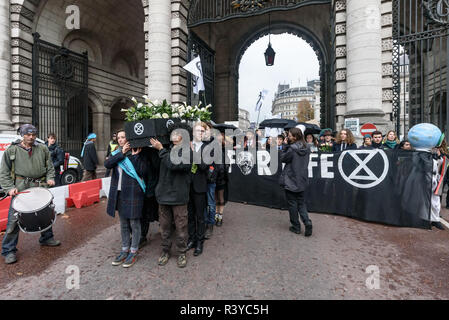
121, 54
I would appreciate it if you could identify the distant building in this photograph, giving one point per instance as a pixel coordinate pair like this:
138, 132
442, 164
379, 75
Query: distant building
286, 100
244, 122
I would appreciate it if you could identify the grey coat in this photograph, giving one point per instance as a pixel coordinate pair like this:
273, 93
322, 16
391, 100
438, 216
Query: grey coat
295, 175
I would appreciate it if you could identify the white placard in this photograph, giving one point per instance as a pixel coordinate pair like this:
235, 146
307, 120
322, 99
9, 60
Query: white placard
353, 124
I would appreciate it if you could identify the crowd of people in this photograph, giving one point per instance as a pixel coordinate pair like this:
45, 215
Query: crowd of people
187, 198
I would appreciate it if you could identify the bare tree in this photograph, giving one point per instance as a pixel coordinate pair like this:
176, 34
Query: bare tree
305, 111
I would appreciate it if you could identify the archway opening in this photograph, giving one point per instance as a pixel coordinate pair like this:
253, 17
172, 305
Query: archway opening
292, 83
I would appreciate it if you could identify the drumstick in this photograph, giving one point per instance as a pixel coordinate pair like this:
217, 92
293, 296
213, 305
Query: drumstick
22, 192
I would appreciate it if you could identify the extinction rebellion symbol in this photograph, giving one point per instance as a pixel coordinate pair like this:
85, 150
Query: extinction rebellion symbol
139, 129
373, 163
169, 123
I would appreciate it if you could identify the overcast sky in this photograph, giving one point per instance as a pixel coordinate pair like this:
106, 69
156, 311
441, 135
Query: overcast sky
295, 61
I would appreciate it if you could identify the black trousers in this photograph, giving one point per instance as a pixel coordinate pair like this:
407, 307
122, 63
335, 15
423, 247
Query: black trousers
297, 204
197, 205
150, 214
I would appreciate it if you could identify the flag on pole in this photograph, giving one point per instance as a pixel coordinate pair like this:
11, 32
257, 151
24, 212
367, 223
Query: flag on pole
194, 67
261, 98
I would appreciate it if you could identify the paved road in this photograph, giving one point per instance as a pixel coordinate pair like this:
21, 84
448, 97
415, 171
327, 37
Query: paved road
253, 256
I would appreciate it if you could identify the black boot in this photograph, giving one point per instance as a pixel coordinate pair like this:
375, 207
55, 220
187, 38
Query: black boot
308, 231
198, 249
438, 225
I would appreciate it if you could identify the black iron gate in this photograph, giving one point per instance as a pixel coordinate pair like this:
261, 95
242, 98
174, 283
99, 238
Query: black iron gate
420, 60
196, 47
60, 94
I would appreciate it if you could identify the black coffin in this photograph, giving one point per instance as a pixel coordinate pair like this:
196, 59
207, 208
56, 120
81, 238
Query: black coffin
138, 133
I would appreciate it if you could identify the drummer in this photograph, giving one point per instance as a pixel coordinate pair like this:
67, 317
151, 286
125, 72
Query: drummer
25, 164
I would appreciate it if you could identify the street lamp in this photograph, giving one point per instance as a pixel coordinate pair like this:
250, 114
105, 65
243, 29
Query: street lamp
269, 53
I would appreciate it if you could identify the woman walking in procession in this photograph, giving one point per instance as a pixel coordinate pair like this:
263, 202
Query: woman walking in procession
294, 179
221, 191
126, 195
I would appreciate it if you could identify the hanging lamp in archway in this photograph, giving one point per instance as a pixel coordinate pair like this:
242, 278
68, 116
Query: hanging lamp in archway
270, 54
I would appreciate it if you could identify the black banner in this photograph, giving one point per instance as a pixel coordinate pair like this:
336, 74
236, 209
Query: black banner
392, 187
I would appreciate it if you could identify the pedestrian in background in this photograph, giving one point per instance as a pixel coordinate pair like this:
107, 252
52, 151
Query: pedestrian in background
90, 159
126, 195
172, 194
221, 190
294, 179
312, 142
112, 146
367, 142
377, 140
391, 141
57, 157
211, 208
326, 146
344, 141
405, 145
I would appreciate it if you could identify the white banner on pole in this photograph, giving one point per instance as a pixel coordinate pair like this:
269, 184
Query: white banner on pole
194, 67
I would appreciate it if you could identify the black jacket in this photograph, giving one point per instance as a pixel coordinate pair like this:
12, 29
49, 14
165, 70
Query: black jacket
173, 187
222, 171
90, 160
336, 147
199, 179
153, 162
295, 176
57, 155
131, 195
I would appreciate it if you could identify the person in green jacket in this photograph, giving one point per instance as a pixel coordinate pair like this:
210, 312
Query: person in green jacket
25, 164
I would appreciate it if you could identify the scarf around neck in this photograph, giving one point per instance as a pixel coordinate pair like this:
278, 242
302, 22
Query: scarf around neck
391, 144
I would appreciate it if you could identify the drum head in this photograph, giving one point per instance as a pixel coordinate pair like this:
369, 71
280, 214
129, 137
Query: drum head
36, 199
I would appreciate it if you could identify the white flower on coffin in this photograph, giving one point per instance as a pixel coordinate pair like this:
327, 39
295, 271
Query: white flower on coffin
134, 100
175, 115
182, 109
208, 106
140, 105
147, 100
157, 116
165, 116
156, 102
189, 108
124, 110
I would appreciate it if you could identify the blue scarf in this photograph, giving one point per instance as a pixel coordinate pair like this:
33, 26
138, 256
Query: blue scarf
84, 146
128, 168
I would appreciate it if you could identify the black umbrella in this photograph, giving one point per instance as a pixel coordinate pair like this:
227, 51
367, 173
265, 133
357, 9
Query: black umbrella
223, 126
276, 123
310, 128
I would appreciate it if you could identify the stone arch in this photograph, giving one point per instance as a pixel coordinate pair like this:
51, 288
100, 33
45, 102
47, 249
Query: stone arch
91, 44
23, 15
301, 32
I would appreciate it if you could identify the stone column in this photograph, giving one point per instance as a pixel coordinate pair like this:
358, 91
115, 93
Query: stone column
364, 61
159, 50
5, 69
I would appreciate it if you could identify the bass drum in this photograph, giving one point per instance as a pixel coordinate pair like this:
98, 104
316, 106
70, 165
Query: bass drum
35, 210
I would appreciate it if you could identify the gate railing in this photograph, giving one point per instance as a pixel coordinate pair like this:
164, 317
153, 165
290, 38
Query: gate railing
60, 93
205, 11
420, 59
